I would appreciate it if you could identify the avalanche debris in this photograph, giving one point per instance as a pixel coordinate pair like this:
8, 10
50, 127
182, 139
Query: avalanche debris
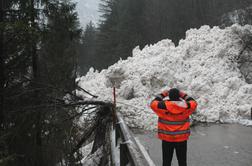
204, 65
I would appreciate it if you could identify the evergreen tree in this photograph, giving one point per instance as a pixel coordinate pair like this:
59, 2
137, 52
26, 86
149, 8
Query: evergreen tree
59, 66
119, 31
38, 59
107, 34
130, 27
59, 45
19, 36
87, 49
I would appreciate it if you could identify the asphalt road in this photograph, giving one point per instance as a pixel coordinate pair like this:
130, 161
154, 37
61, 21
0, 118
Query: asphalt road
209, 145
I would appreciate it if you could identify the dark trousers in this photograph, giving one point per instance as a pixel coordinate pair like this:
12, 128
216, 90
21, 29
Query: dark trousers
168, 148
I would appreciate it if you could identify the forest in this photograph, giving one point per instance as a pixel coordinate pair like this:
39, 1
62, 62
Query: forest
126, 24
43, 50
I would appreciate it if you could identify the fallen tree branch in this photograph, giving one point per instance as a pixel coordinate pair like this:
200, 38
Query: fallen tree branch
85, 136
36, 107
78, 87
91, 102
80, 113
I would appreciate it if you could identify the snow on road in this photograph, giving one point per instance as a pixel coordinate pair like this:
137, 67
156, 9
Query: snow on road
203, 64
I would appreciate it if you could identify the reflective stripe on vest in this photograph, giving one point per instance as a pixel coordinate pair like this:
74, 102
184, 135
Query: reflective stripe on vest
173, 122
173, 132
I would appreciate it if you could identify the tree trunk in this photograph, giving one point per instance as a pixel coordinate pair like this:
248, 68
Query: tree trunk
35, 72
34, 55
2, 75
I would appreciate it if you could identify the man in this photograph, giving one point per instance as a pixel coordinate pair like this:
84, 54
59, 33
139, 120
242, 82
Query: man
174, 123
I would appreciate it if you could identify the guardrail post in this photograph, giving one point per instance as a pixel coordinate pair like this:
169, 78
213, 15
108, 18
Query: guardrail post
251, 113
114, 96
123, 155
117, 133
114, 107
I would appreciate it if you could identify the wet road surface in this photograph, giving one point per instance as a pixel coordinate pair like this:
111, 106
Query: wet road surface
209, 145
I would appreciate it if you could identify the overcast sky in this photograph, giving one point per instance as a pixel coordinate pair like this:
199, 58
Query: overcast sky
88, 11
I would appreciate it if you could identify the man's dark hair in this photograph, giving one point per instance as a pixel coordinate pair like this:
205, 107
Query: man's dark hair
174, 94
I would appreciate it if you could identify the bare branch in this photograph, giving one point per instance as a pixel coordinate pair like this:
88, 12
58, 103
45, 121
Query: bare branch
79, 114
78, 87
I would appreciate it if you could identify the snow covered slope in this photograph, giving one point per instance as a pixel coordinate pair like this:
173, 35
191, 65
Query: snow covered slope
203, 65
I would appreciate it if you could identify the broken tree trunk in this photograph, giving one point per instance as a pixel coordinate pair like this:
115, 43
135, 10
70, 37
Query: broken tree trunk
102, 133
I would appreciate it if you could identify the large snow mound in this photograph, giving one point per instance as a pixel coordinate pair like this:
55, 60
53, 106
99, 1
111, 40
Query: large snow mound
203, 65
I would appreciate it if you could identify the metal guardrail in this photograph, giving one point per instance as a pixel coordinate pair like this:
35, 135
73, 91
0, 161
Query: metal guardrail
125, 150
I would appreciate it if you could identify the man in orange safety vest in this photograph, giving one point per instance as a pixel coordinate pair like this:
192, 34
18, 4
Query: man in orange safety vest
174, 123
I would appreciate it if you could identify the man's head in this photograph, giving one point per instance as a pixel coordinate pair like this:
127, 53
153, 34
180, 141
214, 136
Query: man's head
174, 94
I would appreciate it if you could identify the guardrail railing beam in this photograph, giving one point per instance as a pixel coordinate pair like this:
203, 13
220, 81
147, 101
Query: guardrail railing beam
130, 152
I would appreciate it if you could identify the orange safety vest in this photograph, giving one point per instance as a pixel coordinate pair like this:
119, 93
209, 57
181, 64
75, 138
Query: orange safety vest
173, 122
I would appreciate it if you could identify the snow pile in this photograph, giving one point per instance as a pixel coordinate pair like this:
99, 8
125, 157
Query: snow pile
93, 159
204, 65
